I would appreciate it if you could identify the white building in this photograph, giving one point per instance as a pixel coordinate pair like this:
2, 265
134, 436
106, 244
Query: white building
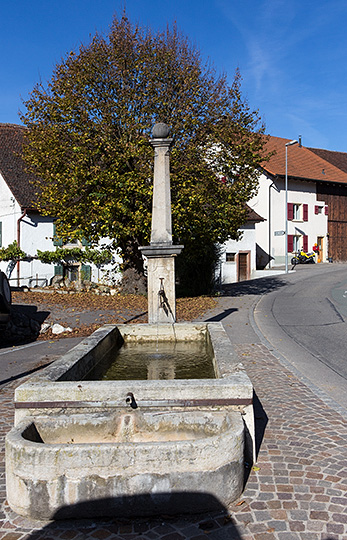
21, 222
238, 257
315, 177
307, 210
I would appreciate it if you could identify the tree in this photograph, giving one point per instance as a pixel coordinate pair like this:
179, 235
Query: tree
87, 141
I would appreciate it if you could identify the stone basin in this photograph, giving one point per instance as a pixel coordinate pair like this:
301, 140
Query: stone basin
128, 463
83, 448
62, 388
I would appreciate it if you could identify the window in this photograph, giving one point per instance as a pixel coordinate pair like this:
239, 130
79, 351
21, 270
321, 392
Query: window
296, 212
72, 242
318, 209
296, 243
230, 257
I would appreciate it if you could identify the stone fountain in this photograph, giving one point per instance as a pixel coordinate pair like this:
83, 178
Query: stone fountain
83, 447
161, 252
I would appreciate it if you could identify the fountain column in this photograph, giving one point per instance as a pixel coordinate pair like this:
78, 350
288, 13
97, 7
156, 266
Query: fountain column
161, 252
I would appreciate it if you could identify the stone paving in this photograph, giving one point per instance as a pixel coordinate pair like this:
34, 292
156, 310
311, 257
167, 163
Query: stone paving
296, 491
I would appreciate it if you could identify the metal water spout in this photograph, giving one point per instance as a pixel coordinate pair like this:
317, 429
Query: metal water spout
161, 252
161, 293
130, 399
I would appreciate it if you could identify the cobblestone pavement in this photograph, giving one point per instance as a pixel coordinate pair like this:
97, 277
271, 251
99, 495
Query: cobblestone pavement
297, 490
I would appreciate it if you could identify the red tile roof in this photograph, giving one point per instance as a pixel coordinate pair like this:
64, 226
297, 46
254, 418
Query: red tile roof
253, 217
338, 159
303, 163
12, 167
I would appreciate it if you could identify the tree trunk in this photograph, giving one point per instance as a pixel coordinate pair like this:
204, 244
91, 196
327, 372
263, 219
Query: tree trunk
133, 277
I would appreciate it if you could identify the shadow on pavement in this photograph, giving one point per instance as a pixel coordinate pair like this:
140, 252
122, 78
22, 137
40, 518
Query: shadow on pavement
24, 325
24, 373
221, 315
31, 312
156, 511
254, 286
261, 420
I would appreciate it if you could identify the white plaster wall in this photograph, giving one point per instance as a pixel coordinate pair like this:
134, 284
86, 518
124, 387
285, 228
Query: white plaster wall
228, 270
36, 233
108, 274
9, 213
270, 204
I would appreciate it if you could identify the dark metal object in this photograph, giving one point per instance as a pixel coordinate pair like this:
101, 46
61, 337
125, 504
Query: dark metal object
145, 403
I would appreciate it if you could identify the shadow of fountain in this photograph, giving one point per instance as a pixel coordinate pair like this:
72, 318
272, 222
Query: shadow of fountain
254, 286
260, 420
153, 512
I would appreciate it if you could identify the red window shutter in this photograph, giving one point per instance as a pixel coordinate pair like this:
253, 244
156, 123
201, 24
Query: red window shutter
316, 209
290, 211
305, 248
326, 210
305, 211
290, 243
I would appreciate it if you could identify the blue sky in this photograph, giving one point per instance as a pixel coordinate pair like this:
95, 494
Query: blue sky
291, 54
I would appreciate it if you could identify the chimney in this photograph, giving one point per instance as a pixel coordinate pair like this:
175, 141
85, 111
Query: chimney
300, 145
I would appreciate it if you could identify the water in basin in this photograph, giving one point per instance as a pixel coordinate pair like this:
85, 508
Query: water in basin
156, 361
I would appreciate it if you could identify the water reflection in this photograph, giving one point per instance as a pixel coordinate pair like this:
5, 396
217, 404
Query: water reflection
156, 361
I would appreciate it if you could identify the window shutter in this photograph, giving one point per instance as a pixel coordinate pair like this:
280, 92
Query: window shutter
56, 241
305, 212
58, 270
290, 243
86, 272
0, 234
290, 211
85, 242
305, 239
326, 210
316, 209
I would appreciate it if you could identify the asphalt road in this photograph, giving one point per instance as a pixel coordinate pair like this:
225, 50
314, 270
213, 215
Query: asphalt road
19, 361
305, 320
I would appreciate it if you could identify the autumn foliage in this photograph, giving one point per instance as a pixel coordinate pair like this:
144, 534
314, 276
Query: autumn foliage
88, 134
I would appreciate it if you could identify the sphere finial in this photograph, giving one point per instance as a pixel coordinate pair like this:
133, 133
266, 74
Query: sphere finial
160, 131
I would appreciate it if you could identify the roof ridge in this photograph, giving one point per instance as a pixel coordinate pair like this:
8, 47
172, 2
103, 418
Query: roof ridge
325, 150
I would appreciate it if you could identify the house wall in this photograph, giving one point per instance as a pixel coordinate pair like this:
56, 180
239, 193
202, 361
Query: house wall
36, 233
228, 270
270, 204
9, 213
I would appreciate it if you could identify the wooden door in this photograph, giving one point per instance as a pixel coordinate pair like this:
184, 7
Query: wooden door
320, 248
243, 266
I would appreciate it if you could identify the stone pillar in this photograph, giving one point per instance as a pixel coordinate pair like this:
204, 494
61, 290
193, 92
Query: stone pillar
161, 252
161, 231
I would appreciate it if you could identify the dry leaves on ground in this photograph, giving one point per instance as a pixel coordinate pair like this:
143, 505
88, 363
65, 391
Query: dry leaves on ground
111, 309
